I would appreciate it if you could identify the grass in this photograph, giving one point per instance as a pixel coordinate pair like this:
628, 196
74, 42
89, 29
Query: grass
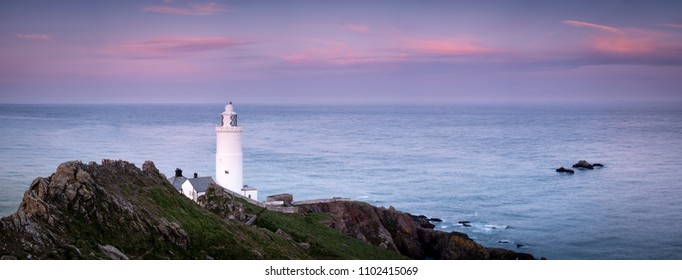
211, 236
325, 242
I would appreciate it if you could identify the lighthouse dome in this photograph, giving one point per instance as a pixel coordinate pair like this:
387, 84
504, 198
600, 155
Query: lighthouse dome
228, 107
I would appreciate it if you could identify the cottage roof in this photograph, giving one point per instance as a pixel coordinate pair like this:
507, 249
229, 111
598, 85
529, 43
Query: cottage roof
201, 184
177, 182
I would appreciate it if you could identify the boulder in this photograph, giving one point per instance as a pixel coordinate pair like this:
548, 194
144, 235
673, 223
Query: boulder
113, 252
465, 223
583, 165
565, 170
597, 165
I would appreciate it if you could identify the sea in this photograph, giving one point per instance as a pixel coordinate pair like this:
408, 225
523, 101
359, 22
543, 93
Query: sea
492, 165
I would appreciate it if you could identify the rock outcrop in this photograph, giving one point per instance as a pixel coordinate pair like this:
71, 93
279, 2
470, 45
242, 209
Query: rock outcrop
404, 233
115, 210
565, 170
225, 205
582, 164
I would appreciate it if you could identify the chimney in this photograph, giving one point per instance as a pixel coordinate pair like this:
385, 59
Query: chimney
178, 172
196, 175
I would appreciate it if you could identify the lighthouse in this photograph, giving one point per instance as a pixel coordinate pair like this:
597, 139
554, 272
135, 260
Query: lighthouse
229, 171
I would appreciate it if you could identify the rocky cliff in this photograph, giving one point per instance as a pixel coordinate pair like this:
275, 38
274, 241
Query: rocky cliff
115, 210
411, 236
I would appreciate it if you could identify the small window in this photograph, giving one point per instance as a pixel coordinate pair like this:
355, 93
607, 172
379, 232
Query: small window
227, 172
249, 196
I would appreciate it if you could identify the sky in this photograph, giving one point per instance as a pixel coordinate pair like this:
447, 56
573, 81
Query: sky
339, 52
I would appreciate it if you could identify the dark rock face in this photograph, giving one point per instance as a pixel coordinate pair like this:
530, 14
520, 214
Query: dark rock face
404, 233
422, 221
583, 165
57, 210
565, 170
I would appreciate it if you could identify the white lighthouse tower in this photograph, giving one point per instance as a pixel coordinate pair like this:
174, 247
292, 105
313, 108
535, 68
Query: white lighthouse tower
228, 156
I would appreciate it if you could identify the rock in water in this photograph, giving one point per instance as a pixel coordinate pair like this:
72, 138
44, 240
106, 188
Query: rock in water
565, 170
597, 165
583, 165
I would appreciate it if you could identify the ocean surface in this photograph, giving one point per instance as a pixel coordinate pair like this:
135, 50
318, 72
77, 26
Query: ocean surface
492, 165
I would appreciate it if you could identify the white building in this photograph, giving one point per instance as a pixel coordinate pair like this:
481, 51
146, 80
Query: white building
190, 187
229, 171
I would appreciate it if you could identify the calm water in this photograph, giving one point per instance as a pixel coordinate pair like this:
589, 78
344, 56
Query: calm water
491, 165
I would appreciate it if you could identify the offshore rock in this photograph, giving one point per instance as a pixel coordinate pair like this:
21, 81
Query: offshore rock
565, 170
404, 233
583, 165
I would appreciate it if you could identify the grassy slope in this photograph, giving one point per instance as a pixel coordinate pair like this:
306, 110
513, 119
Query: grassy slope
212, 236
325, 242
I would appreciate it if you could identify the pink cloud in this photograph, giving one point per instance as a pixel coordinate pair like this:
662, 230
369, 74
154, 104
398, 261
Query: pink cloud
33, 36
447, 47
647, 46
360, 28
326, 52
194, 9
591, 25
632, 41
168, 47
673, 25
340, 53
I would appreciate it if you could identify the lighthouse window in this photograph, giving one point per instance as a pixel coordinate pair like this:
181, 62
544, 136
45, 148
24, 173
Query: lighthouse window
233, 120
227, 172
